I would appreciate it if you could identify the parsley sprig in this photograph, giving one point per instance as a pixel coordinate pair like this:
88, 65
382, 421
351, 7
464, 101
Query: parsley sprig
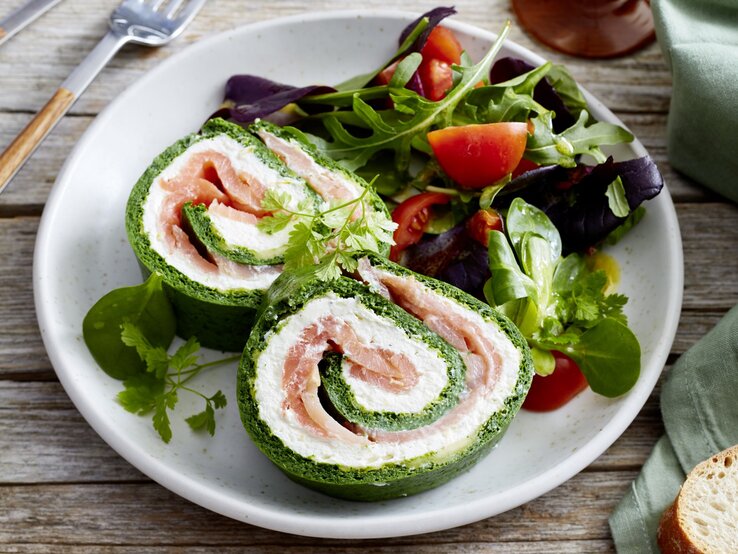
157, 389
328, 239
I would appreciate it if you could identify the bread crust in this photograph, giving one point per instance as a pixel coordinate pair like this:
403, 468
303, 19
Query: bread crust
672, 536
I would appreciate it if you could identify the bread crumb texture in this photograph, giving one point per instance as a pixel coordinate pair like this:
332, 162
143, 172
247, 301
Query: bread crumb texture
704, 517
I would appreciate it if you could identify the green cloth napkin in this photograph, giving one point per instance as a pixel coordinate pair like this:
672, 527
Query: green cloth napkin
699, 39
700, 411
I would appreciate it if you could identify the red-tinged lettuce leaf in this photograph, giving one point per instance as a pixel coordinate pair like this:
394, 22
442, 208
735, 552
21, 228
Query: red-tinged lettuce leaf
469, 271
505, 69
453, 257
575, 201
435, 16
248, 97
416, 85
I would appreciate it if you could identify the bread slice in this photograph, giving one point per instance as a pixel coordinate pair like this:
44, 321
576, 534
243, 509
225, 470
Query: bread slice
704, 517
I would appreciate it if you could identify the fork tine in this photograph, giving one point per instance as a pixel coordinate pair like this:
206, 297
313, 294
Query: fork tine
172, 8
189, 11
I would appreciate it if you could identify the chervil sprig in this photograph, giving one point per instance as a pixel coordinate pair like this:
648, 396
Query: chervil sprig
157, 389
328, 239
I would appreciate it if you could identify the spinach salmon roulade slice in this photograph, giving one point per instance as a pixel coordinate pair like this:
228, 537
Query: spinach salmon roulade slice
193, 217
383, 388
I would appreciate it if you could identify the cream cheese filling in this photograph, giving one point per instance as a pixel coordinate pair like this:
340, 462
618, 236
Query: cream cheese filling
442, 436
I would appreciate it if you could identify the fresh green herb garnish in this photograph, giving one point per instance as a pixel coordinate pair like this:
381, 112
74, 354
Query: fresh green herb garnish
128, 332
559, 303
328, 240
145, 306
157, 389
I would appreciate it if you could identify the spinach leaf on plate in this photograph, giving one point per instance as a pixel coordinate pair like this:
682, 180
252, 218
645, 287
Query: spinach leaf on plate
145, 306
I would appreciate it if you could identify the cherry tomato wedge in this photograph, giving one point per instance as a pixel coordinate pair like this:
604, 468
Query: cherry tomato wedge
412, 218
481, 223
442, 45
523, 166
437, 78
478, 155
555, 390
385, 76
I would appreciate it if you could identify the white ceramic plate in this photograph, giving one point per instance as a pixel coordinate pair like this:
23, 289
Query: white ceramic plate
82, 253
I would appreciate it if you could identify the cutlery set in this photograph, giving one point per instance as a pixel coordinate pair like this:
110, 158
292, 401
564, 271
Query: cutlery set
146, 22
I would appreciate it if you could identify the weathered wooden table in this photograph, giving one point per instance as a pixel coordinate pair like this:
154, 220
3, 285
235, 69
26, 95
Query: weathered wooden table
63, 489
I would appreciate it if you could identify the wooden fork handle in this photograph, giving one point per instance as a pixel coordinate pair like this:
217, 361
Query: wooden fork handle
29, 138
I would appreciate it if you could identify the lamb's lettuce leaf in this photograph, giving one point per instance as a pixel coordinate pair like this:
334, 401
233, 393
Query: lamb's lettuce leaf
560, 303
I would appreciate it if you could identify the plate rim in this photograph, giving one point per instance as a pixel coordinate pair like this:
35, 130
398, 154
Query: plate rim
356, 526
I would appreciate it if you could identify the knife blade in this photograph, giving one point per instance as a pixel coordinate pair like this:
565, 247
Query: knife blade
24, 15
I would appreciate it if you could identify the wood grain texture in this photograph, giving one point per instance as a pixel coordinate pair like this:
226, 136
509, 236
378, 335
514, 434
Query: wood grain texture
43, 439
106, 514
16, 154
465, 547
62, 489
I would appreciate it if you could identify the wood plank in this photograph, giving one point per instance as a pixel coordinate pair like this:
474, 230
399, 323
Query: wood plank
364, 547
107, 514
43, 439
710, 284
37, 60
21, 349
31, 186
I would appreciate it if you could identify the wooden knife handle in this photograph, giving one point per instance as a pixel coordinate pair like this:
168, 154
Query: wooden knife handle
29, 138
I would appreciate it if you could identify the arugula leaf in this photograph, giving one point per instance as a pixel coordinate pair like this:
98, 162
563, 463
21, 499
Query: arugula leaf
489, 193
360, 81
405, 70
145, 306
616, 198
545, 147
567, 89
397, 135
511, 100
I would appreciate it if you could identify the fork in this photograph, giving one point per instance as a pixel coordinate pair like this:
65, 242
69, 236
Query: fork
147, 22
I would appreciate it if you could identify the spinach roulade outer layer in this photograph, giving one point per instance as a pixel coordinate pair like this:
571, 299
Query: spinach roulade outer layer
193, 217
380, 386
